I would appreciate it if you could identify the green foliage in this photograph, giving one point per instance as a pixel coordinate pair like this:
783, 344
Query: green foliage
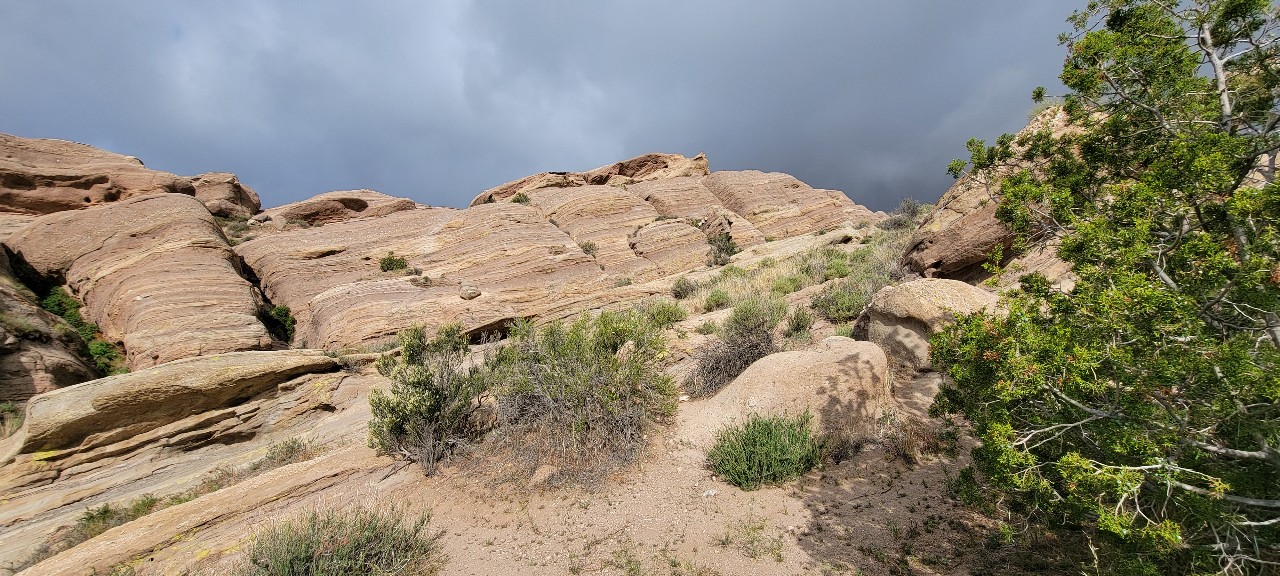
280, 322
683, 288
357, 541
434, 393
391, 262
787, 284
844, 299
1141, 404
582, 396
520, 198
663, 313
716, 299
747, 336
845, 330
722, 248
589, 248
765, 450
11, 416
798, 324
106, 356
706, 327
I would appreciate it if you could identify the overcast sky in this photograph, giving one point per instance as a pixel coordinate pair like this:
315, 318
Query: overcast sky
439, 100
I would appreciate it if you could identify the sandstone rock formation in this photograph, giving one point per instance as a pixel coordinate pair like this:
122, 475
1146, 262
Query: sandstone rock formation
901, 318
224, 195
638, 169
154, 272
839, 382
37, 349
962, 231
338, 206
39, 176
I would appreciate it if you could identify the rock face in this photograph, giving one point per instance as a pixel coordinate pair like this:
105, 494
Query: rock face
154, 273
962, 231
339, 206
224, 195
40, 176
117, 407
900, 319
37, 349
839, 382
638, 169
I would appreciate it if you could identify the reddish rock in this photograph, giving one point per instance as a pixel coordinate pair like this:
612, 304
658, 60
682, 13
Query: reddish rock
638, 169
224, 195
339, 206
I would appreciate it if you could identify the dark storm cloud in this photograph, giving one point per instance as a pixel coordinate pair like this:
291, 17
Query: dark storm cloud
439, 100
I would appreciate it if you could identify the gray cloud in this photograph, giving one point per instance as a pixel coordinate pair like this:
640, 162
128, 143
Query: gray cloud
439, 100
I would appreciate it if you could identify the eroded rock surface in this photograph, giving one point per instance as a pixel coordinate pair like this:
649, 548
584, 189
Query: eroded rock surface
638, 169
154, 273
224, 195
339, 206
37, 349
41, 176
902, 318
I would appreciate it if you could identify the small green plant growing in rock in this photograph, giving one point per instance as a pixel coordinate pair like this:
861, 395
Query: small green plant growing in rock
589, 248
520, 198
716, 299
722, 248
663, 313
280, 322
706, 327
765, 450
391, 262
106, 355
360, 541
798, 324
747, 337
683, 288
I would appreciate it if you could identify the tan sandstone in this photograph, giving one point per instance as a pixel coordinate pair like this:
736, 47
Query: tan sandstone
902, 318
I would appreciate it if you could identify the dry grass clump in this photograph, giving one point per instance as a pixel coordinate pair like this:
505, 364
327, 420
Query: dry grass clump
747, 337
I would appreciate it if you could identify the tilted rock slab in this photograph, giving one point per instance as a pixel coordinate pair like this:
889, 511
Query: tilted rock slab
339, 206
154, 272
42, 176
779, 205
638, 169
117, 407
901, 318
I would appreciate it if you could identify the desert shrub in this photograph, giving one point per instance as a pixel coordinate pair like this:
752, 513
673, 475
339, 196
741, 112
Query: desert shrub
765, 450
787, 284
428, 410
909, 207
683, 288
391, 262
589, 248
730, 272
663, 313
843, 300
798, 323
706, 327
716, 300
896, 222
11, 416
520, 198
280, 322
582, 396
357, 541
722, 248
105, 355
747, 337
845, 330
624, 281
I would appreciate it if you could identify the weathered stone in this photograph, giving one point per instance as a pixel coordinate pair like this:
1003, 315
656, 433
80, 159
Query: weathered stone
224, 195
638, 169
37, 349
468, 292
42, 176
154, 272
339, 206
777, 204
903, 317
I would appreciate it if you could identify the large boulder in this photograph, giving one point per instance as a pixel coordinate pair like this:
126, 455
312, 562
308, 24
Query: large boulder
38, 351
224, 195
42, 176
638, 169
154, 273
841, 382
108, 409
901, 318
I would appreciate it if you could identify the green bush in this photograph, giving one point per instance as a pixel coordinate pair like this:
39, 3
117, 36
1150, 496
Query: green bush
844, 300
787, 284
357, 541
683, 288
428, 410
798, 323
765, 450
748, 336
589, 248
663, 313
391, 262
280, 322
722, 247
582, 396
717, 299
520, 198
106, 356
706, 327
730, 272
